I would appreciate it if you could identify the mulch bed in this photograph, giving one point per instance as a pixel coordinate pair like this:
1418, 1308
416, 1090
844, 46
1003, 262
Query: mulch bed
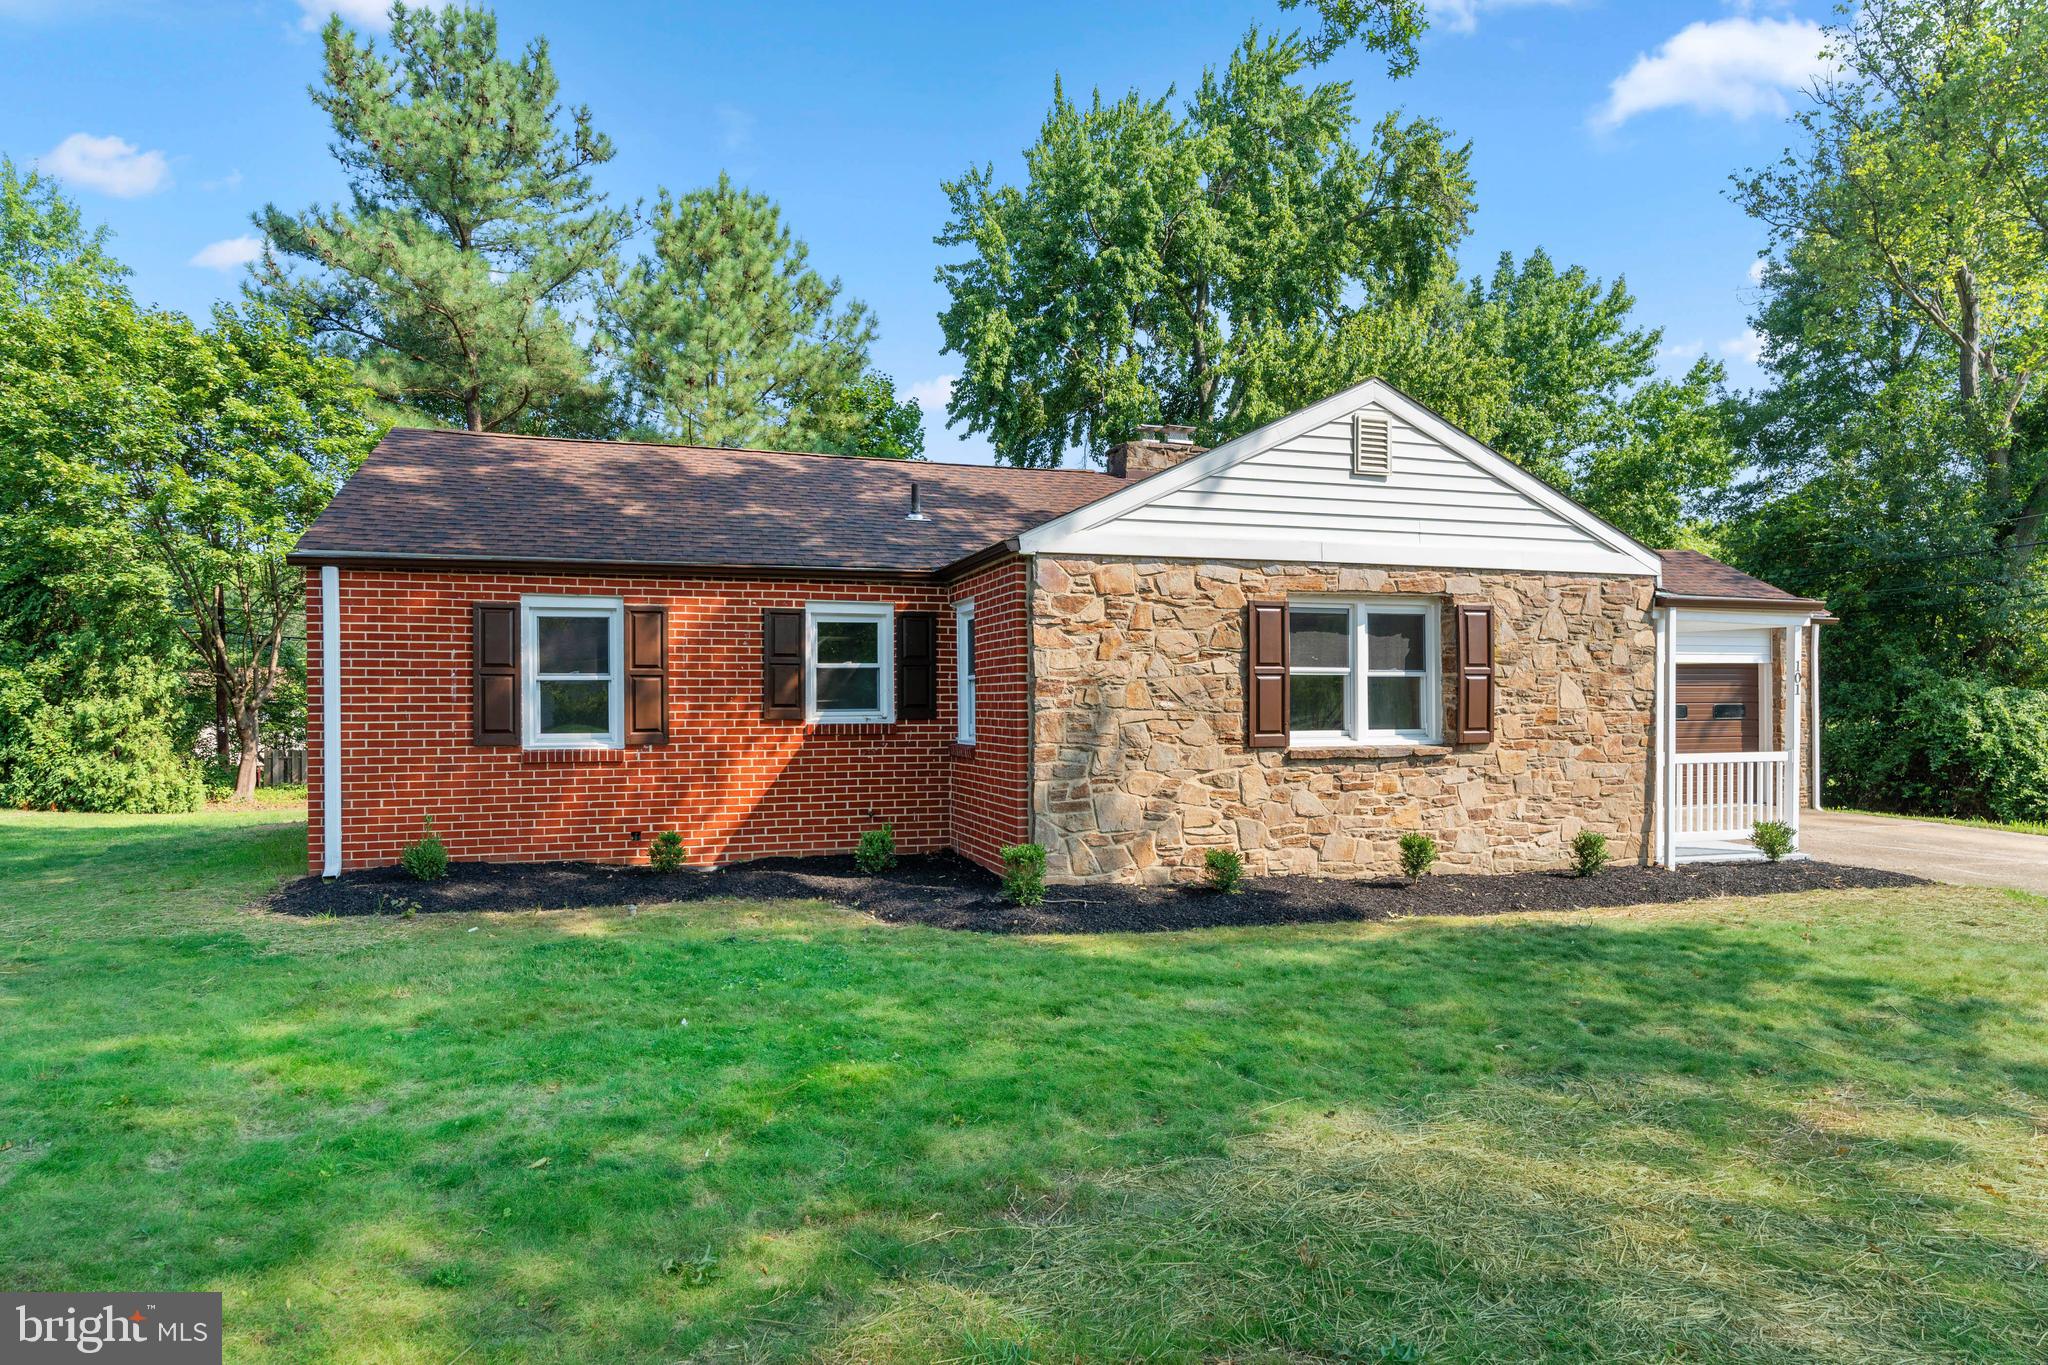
950, 893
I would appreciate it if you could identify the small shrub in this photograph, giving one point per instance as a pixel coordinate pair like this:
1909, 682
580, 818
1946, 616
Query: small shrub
1418, 855
1024, 874
877, 851
1589, 852
666, 853
1225, 870
427, 857
1773, 838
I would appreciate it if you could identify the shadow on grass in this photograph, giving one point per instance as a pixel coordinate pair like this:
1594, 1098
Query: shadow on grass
785, 1130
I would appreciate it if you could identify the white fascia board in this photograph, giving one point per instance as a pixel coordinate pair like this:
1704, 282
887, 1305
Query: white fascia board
1441, 553
1060, 535
1707, 620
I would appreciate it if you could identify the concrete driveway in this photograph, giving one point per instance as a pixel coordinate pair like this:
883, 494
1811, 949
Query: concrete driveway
1925, 848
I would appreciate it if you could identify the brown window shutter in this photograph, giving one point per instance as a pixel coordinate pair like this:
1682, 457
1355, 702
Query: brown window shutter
494, 690
1475, 675
1265, 682
917, 665
782, 664
646, 675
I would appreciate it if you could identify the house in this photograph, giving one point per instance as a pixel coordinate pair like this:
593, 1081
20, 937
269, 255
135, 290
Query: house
1353, 622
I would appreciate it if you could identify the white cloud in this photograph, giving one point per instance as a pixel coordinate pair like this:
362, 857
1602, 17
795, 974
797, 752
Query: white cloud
1737, 66
1756, 270
362, 13
735, 127
1748, 348
933, 394
1682, 350
229, 254
231, 181
108, 164
1462, 16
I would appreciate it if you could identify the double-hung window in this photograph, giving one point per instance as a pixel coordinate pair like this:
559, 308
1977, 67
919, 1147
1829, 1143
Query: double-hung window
849, 662
572, 655
1362, 673
963, 636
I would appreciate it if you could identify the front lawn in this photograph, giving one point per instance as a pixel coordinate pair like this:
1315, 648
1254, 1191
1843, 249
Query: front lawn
1804, 1128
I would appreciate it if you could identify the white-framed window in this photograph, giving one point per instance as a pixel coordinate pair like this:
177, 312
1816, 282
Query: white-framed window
572, 659
963, 654
1363, 672
850, 662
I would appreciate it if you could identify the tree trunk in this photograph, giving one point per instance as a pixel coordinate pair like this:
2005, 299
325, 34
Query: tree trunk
220, 688
247, 730
473, 411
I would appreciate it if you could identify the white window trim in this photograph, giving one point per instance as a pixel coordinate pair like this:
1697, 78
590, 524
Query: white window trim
1355, 735
964, 688
884, 615
532, 607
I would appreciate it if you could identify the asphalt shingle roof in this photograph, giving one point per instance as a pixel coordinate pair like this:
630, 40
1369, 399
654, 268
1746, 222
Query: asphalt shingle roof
462, 495
1688, 573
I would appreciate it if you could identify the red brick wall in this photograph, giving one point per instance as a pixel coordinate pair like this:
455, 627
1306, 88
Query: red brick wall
991, 785
733, 785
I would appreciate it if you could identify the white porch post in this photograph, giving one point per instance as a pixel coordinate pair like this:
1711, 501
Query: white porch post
1794, 703
1813, 710
330, 720
1667, 738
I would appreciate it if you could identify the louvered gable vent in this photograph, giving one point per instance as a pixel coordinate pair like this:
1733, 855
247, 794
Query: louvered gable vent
1371, 444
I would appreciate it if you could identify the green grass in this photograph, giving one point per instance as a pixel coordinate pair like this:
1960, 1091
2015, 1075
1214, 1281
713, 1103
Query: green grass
1975, 822
1814, 1128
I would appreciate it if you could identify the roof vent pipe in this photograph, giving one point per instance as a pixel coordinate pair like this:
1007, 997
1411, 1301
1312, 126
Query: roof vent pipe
916, 512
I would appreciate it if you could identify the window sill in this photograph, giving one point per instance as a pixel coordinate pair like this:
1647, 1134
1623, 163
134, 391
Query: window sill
963, 750
571, 758
1417, 749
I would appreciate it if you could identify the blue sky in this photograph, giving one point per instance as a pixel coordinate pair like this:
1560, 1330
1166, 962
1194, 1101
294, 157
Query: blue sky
1603, 130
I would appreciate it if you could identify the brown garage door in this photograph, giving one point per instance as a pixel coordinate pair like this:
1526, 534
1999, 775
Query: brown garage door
1717, 709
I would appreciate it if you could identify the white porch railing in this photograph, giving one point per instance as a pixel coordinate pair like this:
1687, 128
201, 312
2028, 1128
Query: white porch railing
1723, 796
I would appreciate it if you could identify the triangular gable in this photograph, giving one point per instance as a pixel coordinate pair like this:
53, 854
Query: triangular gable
1287, 492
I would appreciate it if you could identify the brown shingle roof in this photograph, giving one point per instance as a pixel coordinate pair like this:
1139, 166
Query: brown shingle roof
466, 496
1688, 573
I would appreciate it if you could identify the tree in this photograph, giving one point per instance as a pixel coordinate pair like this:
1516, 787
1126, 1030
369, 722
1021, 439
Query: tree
473, 232
1118, 285
183, 462
726, 336
45, 248
880, 426
1389, 26
1919, 197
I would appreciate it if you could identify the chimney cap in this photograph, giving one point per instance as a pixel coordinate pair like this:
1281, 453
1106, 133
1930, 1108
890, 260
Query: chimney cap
1167, 433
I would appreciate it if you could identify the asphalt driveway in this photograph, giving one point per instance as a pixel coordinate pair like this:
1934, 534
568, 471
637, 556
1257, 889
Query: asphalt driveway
1945, 853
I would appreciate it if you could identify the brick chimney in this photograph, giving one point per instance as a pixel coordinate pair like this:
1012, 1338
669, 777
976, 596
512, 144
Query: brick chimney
1159, 446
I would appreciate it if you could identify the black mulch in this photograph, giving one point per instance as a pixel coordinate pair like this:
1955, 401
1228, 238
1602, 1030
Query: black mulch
951, 893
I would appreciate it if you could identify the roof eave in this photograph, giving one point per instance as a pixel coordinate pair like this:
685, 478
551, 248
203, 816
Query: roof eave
388, 559
1785, 604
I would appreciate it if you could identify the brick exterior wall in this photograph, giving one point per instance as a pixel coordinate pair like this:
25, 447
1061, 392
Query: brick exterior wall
733, 785
1139, 754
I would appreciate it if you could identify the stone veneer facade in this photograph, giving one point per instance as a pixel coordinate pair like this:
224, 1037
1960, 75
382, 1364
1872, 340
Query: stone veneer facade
1139, 762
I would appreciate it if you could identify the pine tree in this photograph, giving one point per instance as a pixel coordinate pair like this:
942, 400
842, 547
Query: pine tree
473, 230
727, 337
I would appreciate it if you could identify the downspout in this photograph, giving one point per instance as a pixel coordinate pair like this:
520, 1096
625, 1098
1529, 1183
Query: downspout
330, 719
1031, 700
1667, 740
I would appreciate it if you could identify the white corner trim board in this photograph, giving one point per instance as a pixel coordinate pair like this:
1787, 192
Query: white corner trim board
330, 719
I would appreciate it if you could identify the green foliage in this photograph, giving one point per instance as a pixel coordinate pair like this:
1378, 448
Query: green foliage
1390, 26
871, 421
1589, 852
665, 854
473, 229
876, 852
103, 739
1945, 746
426, 857
1024, 874
1773, 838
727, 337
1418, 855
1224, 869
46, 251
1250, 213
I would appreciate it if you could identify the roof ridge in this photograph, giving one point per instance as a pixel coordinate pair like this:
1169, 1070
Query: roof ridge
746, 450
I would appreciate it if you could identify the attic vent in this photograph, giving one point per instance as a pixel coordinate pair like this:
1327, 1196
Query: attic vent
1371, 445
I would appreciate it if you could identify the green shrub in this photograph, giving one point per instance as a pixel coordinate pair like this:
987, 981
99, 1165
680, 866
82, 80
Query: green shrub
427, 857
1773, 838
1589, 852
666, 852
1418, 855
1935, 745
104, 740
1024, 874
1225, 870
877, 851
